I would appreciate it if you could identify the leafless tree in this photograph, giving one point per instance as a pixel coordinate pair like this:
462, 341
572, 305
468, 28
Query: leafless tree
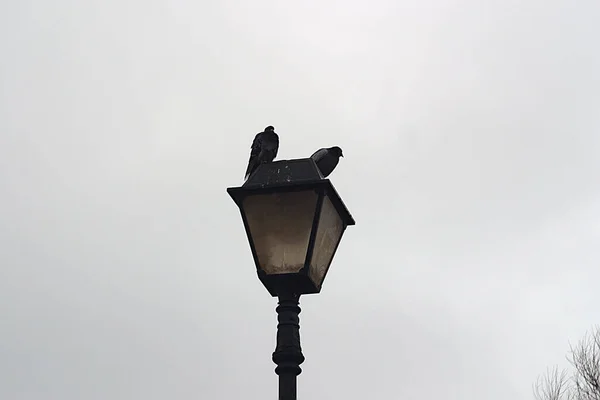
583, 383
585, 358
554, 385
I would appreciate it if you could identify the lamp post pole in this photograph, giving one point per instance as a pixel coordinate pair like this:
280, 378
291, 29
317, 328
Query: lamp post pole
294, 220
288, 353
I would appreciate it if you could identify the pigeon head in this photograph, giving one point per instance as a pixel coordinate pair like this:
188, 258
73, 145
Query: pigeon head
269, 128
336, 151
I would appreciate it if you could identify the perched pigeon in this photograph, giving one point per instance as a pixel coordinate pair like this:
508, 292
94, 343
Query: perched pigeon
264, 149
327, 159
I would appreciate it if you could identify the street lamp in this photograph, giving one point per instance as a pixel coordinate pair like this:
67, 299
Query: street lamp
294, 220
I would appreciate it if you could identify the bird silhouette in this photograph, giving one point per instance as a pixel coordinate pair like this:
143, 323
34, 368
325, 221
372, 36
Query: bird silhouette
263, 150
327, 159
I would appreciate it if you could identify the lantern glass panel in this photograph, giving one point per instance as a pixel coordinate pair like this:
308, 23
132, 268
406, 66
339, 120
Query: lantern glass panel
280, 225
329, 233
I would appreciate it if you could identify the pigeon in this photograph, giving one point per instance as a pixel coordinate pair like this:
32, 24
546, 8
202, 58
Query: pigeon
327, 159
264, 149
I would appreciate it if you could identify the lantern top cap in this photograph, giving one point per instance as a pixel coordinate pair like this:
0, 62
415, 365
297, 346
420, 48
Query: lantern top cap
289, 175
284, 172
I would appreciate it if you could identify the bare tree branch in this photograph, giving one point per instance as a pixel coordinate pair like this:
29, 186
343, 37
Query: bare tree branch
585, 357
583, 383
554, 385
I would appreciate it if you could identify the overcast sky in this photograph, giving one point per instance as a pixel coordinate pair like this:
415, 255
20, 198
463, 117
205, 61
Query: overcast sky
471, 135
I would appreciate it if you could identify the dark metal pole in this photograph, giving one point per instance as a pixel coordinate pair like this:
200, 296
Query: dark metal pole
288, 353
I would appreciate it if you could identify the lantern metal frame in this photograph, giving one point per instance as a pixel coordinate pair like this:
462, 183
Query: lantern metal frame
289, 176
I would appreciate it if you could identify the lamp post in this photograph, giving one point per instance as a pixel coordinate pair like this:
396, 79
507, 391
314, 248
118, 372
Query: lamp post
294, 220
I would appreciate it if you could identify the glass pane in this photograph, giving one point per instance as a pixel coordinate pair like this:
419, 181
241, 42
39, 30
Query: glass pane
280, 226
328, 235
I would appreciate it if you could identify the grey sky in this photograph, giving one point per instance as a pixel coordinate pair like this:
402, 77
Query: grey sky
471, 138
